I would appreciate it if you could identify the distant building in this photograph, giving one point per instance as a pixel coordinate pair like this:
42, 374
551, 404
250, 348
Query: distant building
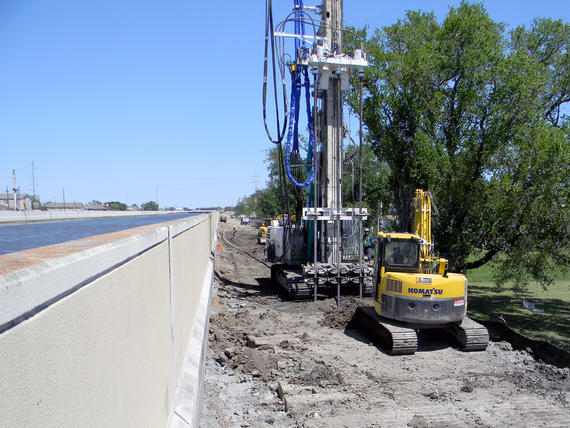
50, 206
133, 207
23, 201
96, 207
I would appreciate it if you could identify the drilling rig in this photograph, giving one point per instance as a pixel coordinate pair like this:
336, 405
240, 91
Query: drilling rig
323, 252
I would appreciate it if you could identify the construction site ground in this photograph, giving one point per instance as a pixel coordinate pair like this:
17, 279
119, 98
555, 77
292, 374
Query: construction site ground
275, 362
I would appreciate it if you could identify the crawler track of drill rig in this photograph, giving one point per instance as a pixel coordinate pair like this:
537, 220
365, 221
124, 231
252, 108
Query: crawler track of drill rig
397, 338
299, 281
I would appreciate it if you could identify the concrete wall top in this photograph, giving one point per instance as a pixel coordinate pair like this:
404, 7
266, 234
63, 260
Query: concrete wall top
33, 279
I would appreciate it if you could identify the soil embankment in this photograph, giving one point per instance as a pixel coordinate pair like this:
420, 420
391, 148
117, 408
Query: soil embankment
273, 362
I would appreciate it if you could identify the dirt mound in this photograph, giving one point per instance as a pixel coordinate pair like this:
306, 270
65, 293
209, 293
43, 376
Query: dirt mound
224, 331
259, 363
342, 317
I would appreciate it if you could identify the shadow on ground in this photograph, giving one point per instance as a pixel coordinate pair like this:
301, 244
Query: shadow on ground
509, 310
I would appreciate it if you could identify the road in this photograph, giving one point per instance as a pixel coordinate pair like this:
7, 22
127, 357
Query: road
272, 362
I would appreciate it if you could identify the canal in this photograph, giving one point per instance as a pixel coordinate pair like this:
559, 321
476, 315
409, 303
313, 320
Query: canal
19, 237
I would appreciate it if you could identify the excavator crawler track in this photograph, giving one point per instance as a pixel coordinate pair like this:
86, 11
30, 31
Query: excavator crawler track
394, 337
470, 335
397, 338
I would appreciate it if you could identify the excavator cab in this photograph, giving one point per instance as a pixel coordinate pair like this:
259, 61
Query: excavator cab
401, 255
406, 292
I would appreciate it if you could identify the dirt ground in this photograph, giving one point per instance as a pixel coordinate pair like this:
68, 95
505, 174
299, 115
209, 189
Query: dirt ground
274, 362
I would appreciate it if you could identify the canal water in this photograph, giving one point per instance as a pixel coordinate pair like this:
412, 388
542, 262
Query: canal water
19, 237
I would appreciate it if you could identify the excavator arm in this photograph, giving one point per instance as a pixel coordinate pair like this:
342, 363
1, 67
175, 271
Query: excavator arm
422, 228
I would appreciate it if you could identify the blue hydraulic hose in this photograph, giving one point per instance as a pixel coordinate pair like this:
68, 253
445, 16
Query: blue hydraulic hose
296, 82
293, 126
296, 87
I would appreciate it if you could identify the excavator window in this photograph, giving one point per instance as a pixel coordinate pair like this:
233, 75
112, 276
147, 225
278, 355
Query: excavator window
401, 254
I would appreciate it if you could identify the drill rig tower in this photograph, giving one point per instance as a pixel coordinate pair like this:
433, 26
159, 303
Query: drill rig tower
326, 249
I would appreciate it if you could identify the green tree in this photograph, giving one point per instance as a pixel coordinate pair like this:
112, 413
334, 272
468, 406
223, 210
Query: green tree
272, 201
399, 100
546, 44
268, 203
245, 206
149, 206
116, 206
475, 117
375, 181
37, 203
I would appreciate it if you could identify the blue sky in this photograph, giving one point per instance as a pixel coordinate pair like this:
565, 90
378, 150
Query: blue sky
114, 100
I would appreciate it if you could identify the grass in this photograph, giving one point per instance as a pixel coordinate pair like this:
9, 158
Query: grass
488, 303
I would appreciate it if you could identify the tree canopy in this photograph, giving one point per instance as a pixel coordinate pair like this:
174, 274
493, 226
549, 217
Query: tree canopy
116, 206
270, 201
150, 206
477, 116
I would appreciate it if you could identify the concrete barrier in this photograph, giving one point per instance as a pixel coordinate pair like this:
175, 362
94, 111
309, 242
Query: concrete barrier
107, 330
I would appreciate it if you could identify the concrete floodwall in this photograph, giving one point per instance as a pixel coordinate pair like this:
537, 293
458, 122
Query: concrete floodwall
107, 330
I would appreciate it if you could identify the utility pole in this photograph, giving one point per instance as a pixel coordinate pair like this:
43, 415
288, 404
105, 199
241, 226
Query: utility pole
15, 190
33, 181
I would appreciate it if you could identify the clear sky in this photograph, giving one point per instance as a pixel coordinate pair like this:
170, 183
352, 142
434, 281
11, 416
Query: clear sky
121, 100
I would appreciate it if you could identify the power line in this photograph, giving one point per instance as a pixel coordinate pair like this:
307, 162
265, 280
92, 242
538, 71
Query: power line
34, 180
255, 180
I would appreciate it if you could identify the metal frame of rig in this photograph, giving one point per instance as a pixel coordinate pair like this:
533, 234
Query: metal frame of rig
325, 250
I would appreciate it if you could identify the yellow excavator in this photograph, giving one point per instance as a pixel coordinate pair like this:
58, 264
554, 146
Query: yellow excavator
414, 290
